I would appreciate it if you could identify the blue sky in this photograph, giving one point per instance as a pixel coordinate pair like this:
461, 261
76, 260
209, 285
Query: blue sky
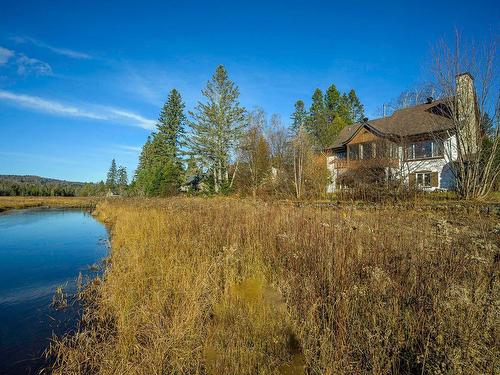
82, 82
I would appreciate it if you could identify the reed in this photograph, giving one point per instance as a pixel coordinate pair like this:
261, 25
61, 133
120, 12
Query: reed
228, 286
11, 203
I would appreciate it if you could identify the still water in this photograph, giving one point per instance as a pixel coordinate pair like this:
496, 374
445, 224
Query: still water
40, 250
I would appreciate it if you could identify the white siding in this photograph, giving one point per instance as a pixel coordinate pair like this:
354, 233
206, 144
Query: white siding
446, 177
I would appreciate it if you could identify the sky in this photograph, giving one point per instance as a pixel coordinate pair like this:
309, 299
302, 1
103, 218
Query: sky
82, 82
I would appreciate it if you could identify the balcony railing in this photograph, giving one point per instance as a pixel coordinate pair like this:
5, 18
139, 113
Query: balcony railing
373, 162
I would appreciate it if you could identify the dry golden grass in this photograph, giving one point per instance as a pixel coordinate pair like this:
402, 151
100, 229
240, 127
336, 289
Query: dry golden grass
226, 286
10, 203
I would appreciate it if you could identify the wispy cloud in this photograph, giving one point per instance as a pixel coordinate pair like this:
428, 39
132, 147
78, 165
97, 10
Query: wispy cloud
23, 64
143, 122
60, 51
133, 149
27, 66
116, 115
5, 55
50, 106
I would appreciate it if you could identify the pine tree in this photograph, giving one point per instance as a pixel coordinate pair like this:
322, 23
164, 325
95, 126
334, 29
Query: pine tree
112, 176
299, 117
356, 110
343, 109
318, 124
217, 125
332, 102
145, 159
171, 125
122, 179
487, 126
160, 166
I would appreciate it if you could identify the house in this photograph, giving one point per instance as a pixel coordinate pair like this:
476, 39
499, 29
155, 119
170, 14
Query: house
417, 145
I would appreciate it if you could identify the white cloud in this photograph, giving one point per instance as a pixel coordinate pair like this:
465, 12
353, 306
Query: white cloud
133, 149
60, 51
27, 66
23, 64
5, 55
111, 114
37, 103
143, 122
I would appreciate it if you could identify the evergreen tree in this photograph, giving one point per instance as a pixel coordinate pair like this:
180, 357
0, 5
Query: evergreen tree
171, 125
356, 110
217, 126
332, 102
487, 126
330, 113
112, 176
146, 157
299, 117
122, 179
160, 166
192, 167
320, 120
343, 109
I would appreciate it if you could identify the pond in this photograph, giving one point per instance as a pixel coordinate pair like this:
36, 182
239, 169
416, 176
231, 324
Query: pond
40, 250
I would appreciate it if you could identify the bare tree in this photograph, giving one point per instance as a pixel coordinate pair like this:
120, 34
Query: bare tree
470, 97
410, 97
255, 152
302, 153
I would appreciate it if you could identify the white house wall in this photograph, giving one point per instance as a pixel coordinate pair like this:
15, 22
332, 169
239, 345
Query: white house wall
330, 188
446, 177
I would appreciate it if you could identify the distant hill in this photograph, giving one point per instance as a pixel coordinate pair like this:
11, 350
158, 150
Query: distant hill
29, 179
14, 185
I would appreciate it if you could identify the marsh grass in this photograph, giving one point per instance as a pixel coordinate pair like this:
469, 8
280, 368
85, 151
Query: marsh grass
227, 286
11, 203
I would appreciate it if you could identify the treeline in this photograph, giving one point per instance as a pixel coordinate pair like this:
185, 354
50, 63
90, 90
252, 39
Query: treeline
11, 185
221, 147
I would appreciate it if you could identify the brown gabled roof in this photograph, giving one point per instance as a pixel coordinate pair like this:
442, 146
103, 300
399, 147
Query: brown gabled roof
346, 134
420, 119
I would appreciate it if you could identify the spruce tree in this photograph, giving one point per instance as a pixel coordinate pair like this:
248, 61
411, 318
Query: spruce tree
160, 166
332, 102
171, 124
122, 179
299, 117
216, 126
317, 124
355, 108
112, 176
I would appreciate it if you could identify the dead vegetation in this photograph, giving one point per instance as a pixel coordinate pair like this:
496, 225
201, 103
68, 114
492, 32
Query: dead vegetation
227, 286
11, 203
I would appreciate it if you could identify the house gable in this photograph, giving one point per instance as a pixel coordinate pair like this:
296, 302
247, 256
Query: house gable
363, 135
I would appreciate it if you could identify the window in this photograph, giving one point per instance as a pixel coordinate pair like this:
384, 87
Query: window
368, 150
386, 149
423, 179
354, 152
425, 149
341, 155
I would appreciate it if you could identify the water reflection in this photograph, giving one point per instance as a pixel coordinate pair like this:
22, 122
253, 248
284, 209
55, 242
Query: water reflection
40, 250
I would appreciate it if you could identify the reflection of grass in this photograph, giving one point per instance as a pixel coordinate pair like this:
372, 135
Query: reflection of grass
59, 299
9, 203
226, 286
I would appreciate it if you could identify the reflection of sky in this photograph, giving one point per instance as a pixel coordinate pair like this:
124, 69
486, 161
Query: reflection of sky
40, 250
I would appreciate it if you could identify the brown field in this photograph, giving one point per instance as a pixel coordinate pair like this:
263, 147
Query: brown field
10, 203
227, 286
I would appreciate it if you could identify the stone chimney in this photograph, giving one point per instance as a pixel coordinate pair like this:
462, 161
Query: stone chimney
468, 123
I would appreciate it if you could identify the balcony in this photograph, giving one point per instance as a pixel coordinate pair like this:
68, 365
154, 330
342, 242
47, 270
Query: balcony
366, 163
